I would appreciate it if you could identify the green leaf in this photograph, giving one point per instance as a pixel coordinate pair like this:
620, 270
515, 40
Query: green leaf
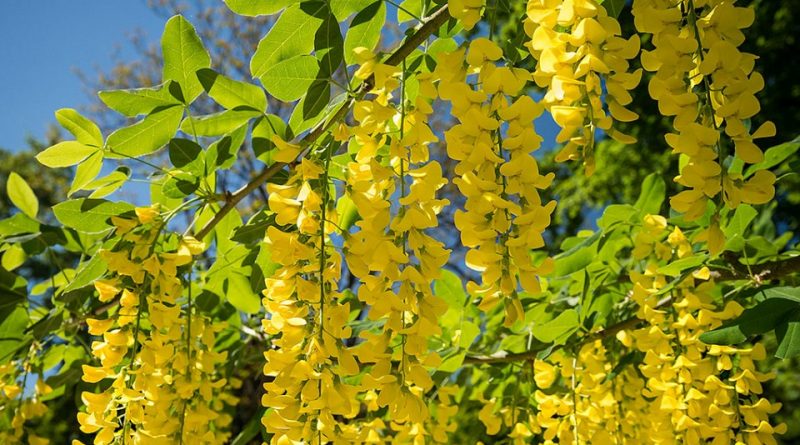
412, 6
347, 211
292, 35
614, 7
449, 288
329, 46
222, 153
89, 215
86, 172
255, 8
469, 332
240, 294
84, 130
309, 111
232, 93
110, 183
289, 79
184, 54
22, 195
558, 328
261, 136
788, 336
180, 184
654, 190
13, 257
774, 156
453, 363
217, 124
139, 101
785, 292
186, 155
617, 213
87, 272
675, 268
342, 9
13, 321
763, 317
365, 30
255, 229
145, 136
734, 231
17, 225
253, 427
65, 154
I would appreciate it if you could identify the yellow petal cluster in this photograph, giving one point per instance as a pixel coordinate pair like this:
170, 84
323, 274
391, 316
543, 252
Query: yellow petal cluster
504, 216
579, 50
468, 12
156, 360
307, 364
22, 408
705, 393
704, 81
394, 257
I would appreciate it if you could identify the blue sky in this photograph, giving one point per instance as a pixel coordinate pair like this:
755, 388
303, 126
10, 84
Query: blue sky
43, 41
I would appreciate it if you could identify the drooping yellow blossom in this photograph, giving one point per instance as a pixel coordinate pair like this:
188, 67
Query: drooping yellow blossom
709, 86
579, 48
165, 373
503, 217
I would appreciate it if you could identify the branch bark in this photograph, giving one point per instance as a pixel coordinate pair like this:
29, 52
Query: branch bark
759, 273
435, 20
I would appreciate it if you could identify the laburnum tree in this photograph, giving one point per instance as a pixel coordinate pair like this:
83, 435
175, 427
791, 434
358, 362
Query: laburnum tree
330, 314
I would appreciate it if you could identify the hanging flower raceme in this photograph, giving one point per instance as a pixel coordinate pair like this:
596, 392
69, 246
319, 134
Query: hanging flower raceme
709, 86
147, 348
21, 406
704, 392
503, 217
390, 252
308, 362
579, 49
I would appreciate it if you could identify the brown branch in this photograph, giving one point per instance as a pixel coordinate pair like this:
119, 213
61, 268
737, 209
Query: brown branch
435, 20
759, 273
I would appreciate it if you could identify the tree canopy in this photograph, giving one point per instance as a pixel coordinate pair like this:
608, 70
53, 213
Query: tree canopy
344, 230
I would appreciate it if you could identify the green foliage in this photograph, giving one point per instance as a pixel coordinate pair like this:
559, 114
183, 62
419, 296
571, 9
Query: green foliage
65, 154
365, 30
22, 195
779, 311
145, 136
184, 54
230, 93
139, 101
89, 215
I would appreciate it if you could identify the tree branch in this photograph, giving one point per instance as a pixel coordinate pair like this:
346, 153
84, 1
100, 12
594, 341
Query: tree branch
771, 270
435, 20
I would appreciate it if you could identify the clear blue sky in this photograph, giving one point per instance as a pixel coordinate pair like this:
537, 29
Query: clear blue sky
43, 41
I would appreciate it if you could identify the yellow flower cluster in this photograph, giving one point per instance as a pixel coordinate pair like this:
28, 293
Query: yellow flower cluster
391, 254
709, 86
577, 402
158, 361
16, 406
704, 392
468, 12
579, 49
308, 362
503, 217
